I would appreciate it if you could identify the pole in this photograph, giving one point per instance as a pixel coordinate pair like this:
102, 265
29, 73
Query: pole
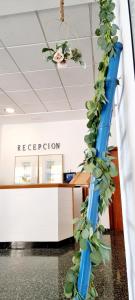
101, 146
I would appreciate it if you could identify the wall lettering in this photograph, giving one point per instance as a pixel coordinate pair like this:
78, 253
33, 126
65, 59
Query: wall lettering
39, 147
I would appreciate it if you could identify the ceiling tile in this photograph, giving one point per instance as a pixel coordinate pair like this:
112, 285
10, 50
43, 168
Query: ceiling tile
13, 82
1, 45
24, 97
95, 17
79, 93
20, 29
51, 94
76, 23
43, 79
45, 117
76, 76
96, 71
57, 105
6, 63
98, 53
24, 40
78, 104
84, 45
5, 102
30, 58
33, 108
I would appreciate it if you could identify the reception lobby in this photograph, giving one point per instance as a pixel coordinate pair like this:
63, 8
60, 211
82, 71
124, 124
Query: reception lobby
51, 72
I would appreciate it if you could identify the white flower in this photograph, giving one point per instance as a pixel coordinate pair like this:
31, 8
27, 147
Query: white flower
58, 56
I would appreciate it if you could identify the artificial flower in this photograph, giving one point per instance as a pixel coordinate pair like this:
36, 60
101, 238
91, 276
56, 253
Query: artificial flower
58, 56
62, 54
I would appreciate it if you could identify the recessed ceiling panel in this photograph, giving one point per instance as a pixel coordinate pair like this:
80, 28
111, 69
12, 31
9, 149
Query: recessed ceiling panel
43, 79
13, 82
30, 58
1, 45
24, 97
6, 63
76, 76
20, 29
51, 94
98, 53
95, 17
79, 93
78, 104
54, 90
45, 117
76, 23
96, 71
4, 100
57, 105
33, 108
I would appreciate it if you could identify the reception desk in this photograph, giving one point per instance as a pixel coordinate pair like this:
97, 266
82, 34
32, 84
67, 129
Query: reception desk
36, 213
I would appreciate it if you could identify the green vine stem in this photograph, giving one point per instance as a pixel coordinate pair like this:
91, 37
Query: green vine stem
103, 169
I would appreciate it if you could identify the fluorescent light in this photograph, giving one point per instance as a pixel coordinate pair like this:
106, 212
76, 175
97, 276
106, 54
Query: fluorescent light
9, 110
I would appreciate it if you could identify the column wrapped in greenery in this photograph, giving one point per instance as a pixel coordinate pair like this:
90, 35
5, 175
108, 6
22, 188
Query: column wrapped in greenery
102, 169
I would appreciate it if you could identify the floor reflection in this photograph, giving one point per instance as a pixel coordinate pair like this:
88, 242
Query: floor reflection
111, 280
38, 274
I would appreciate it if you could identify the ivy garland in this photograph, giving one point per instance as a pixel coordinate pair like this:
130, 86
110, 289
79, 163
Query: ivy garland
102, 169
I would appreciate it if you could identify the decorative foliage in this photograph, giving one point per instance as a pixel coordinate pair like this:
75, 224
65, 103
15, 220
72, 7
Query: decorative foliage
99, 253
102, 169
62, 54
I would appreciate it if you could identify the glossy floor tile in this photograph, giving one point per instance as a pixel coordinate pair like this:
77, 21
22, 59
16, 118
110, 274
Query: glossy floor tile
38, 274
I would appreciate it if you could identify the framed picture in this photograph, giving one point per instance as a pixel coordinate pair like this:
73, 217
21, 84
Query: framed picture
51, 168
26, 169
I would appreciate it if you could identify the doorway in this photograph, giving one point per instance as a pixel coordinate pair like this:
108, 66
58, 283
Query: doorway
115, 209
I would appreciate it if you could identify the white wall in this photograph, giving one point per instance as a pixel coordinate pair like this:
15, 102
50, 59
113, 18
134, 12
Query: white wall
70, 134
0, 148
125, 117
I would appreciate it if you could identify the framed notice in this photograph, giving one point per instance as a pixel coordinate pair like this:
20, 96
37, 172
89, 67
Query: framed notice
26, 169
51, 168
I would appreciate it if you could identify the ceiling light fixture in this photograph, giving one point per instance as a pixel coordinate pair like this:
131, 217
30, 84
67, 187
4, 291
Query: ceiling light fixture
9, 110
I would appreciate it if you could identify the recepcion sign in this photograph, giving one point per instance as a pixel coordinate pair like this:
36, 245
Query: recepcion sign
39, 147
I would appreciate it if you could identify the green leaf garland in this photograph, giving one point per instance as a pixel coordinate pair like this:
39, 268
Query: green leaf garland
103, 169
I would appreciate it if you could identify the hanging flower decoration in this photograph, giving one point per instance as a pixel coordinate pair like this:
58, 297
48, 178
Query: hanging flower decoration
62, 54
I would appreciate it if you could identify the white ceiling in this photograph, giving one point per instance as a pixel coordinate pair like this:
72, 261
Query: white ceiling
8, 7
34, 88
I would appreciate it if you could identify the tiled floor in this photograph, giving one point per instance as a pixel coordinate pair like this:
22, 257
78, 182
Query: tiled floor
33, 274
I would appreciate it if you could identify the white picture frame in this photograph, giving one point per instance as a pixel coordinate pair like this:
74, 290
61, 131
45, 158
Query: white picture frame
51, 168
26, 169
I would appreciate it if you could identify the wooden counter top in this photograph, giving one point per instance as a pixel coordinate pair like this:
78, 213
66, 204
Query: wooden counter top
33, 186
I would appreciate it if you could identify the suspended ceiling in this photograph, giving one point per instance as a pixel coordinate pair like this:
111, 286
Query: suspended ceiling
34, 88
